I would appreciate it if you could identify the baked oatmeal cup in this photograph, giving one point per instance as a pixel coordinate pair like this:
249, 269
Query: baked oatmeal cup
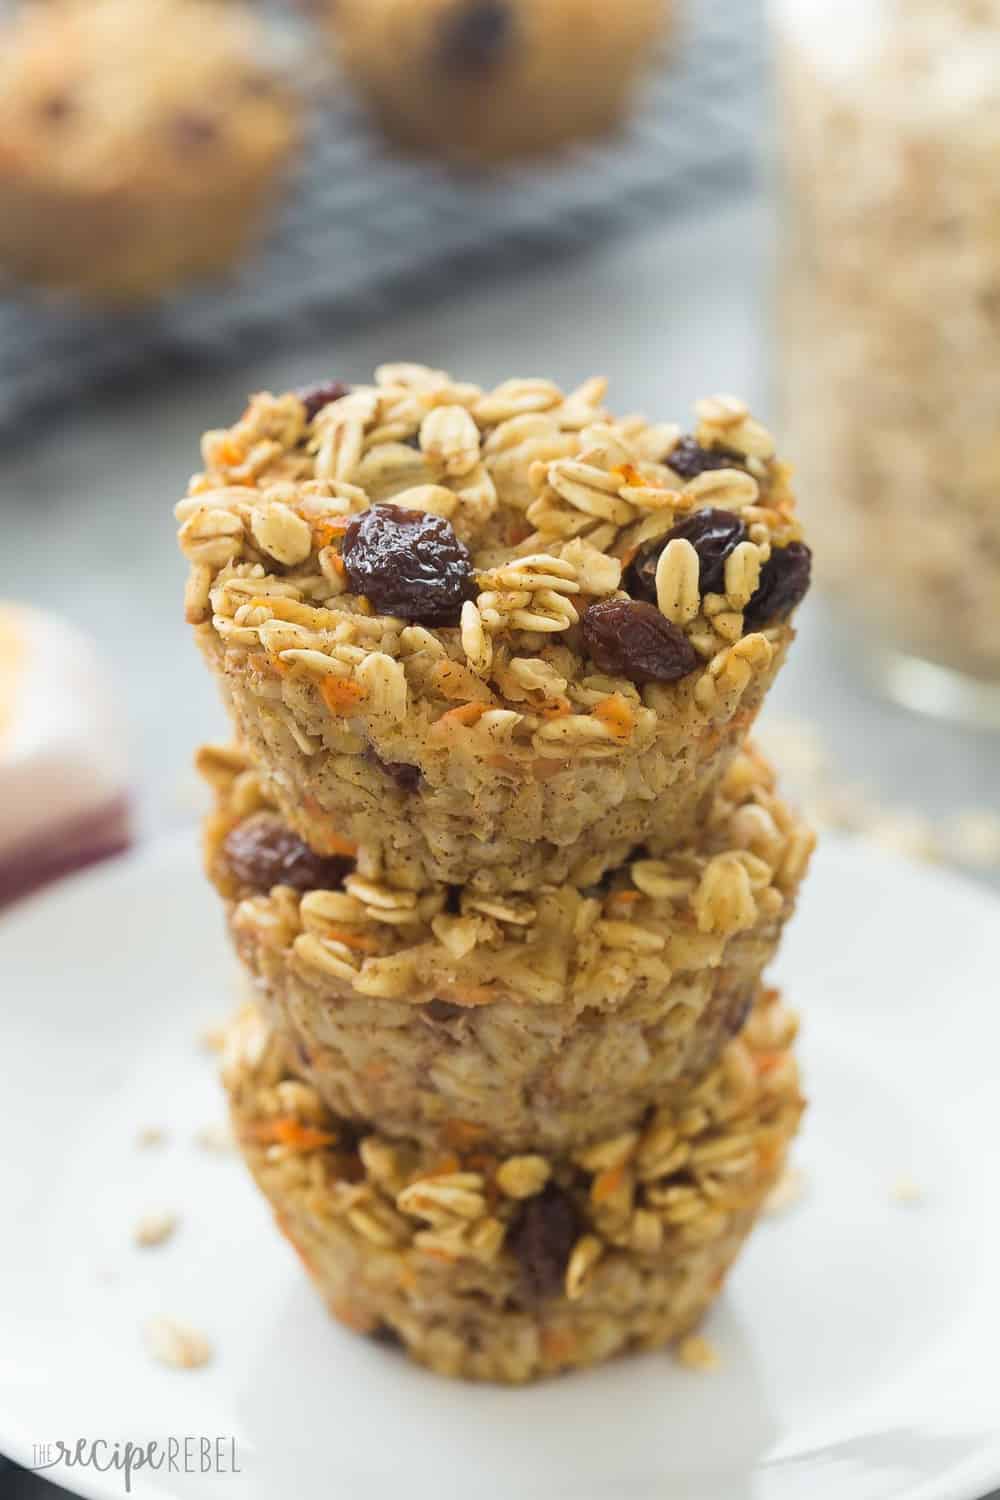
490, 1266
141, 142
490, 638
487, 80
539, 1022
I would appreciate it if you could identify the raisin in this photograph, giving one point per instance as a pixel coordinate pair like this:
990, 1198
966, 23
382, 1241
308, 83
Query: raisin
258, 85
315, 397
737, 1012
192, 131
386, 1335
56, 108
441, 1011
541, 1236
630, 638
712, 533
689, 459
408, 563
406, 777
784, 582
475, 35
263, 851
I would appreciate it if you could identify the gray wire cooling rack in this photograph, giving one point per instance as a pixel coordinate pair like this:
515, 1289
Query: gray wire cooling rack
363, 230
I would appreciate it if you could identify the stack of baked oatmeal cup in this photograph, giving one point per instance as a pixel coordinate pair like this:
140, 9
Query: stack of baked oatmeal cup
496, 854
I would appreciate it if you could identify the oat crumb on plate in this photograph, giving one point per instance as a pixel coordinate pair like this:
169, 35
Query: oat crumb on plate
697, 1353
176, 1344
214, 1138
905, 1190
212, 1038
150, 1135
154, 1228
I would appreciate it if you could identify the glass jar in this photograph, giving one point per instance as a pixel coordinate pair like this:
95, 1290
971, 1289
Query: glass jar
889, 348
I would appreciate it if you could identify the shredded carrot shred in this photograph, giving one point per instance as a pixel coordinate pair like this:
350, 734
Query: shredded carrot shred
465, 714
356, 940
287, 1131
259, 661
624, 898
502, 763
324, 532
472, 994
440, 1168
341, 694
463, 1133
606, 1183
558, 1343
333, 843
769, 1153
766, 1062
630, 474
545, 767
616, 715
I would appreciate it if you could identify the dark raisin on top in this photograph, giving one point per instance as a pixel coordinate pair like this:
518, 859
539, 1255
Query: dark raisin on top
784, 583
408, 563
630, 638
541, 1237
315, 397
262, 851
689, 459
192, 130
474, 36
713, 534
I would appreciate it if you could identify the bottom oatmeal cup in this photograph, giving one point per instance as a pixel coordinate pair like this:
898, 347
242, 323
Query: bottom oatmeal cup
452, 1017
489, 1266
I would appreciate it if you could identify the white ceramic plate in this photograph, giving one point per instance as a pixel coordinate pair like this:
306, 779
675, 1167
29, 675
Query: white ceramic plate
858, 1334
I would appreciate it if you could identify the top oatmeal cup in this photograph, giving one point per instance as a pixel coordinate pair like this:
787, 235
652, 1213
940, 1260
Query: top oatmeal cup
490, 637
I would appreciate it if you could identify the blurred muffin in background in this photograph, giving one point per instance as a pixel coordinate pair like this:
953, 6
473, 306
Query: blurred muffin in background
140, 142
484, 80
